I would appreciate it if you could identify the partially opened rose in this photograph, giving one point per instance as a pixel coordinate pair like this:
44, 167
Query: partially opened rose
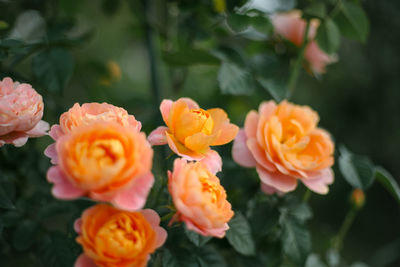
285, 145
21, 111
104, 161
191, 130
114, 238
199, 198
292, 27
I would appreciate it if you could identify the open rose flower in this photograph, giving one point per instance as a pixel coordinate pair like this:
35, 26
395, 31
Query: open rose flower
199, 198
284, 144
292, 27
104, 161
21, 111
191, 130
115, 238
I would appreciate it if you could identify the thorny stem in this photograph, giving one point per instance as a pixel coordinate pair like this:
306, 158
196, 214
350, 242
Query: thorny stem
297, 65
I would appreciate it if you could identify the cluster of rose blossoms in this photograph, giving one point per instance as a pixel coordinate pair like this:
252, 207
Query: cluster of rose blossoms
100, 153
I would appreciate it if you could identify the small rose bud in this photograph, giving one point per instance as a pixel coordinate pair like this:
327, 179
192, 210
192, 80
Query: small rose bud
358, 198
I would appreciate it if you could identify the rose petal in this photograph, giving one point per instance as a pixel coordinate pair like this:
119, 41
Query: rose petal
56, 132
40, 129
277, 180
62, 189
250, 124
190, 102
216, 232
51, 153
134, 197
78, 226
259, 155
181, 150
213, 161
84, 261
240, 153
319, 183
157, 137
153, 218
165, 109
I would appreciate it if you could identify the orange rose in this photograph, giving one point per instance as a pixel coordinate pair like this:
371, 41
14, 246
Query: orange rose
105, 161
199, 198
284, 144
86, 114
116, 238
191, 130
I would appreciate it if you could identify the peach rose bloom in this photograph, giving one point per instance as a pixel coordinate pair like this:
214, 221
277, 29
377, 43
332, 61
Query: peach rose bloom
87, 114
284, 144
191, 130
106, 162
291, 26
115, 238
199, 198
21, 111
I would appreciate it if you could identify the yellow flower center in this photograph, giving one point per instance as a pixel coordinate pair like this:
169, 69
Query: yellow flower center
211, 188
122, 236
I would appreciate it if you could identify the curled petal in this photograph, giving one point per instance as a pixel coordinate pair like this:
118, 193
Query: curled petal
250, 124
240, 153
277, 180
40, 129
56, 132
213, 161
153, 218
51, 153
181, 150
62, 189
78, 226
165, 109
134, 197
259, 155
269, 190
190, 103
217, 232
319, 183
199, 141
157, 137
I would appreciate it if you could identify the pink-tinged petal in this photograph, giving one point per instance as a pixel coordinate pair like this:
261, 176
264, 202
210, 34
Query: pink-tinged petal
56, 132
84, 261
182, 150
213, 161
240, 153
190, 103
40, 129
317, 58
250, 124
62, 189
51, 153
165, 109
216, 232
277, 180
153, 218
269, 190
134, 197
78, 226
17, 139
259, 155
319, 183
157, 137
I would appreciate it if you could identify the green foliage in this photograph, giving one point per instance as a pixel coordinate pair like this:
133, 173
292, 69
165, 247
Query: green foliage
317, 10
352, 21
24, 235
235, 80
239, 235
196, 239
387, 180
357, 170
328, 36
189, 56
53, 68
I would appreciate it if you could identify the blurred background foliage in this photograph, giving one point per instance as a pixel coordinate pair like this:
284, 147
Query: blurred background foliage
222, 54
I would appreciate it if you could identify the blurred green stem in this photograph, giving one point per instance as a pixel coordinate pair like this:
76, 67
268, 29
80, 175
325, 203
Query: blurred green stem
337, 241
307, 195
297, 65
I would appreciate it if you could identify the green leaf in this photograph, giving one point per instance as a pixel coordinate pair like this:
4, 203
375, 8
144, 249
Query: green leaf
196, 239
5, 201
299, 210
239, 235
208, 257
357, 170
24, 235
235, 80
276, 87
53, 68
238, 22
352, 21
58, 250
387, 180
328, 36
189, 56
261, 24
314, 260
180, 259
315, 10
296, 239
